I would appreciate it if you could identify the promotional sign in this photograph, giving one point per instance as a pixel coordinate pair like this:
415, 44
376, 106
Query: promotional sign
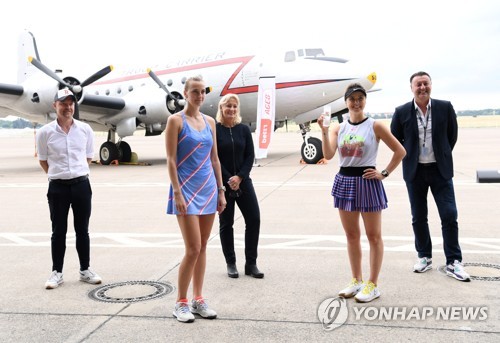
265, 115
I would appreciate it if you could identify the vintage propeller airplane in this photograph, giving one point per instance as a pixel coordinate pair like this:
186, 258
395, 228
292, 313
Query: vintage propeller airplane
306, 80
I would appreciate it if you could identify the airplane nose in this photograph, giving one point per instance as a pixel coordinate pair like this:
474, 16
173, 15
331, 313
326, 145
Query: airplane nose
372, 77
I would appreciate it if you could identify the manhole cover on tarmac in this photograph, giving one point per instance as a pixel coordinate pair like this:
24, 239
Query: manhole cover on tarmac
479, 271
131, 291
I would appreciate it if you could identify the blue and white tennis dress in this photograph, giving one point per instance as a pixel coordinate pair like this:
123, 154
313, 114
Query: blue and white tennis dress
195, 172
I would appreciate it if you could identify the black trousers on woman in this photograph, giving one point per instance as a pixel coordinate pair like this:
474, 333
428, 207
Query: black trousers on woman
249, 207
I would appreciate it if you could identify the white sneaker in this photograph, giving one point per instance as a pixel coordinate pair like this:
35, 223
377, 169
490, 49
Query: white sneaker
423, 264
182, 312
457, 271
89, 276
351, 289
54, 280
369, 293
200, 307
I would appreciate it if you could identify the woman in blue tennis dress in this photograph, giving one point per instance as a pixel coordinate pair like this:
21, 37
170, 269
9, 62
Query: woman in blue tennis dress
194, 171
196, 194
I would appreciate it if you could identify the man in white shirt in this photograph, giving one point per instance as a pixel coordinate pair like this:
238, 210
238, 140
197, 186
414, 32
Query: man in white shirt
65, 150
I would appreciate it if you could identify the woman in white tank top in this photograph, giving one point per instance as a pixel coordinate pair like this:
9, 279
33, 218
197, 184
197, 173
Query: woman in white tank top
357, 189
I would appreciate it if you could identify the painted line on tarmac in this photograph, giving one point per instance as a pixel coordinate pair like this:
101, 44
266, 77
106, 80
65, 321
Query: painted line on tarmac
469, 245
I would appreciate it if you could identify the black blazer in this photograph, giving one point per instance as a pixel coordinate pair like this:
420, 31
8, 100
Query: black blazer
404, 127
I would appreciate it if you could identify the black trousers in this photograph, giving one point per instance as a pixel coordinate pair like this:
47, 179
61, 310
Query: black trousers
428, 177
61, 197
249, 207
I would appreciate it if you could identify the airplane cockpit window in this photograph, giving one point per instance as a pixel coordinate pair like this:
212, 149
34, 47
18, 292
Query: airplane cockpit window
290, 56
314, 52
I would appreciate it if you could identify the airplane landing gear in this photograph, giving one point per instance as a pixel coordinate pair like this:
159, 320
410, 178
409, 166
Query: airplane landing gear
311, 151
110, 151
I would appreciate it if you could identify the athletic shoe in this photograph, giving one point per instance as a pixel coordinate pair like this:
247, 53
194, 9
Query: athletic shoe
89, 276
54, 280
351, 289
369, 293
182, 312
457, 271
423, 264
199, 306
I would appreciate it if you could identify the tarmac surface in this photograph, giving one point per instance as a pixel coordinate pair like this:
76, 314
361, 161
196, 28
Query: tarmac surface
137, 248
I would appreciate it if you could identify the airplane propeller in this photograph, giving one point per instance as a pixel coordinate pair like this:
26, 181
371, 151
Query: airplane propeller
96, 76
75, 88
173, 103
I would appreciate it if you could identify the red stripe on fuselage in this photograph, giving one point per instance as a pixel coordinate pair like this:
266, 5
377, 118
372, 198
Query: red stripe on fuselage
243, 61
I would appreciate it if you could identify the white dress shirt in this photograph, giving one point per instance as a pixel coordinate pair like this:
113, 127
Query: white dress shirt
66, 153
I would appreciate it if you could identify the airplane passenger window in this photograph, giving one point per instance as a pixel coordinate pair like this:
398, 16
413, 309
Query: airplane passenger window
130, 88
107, 91
290, 56
119, 91
170, 83
183, 80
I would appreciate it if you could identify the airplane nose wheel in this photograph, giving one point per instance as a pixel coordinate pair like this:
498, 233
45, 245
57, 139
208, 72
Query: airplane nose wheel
312, 152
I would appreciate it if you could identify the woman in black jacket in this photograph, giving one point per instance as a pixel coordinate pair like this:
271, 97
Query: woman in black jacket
236, 155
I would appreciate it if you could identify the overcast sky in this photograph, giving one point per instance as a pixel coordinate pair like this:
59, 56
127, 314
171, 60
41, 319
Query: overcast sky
457, 42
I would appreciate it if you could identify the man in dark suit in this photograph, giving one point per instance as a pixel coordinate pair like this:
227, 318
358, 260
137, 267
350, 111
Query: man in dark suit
428, 130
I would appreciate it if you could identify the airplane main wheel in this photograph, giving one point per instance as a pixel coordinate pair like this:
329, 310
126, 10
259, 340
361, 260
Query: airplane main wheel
124, 151
312, 152
108, 153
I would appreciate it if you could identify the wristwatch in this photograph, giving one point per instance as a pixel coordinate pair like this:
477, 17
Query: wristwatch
222, 188
384, 173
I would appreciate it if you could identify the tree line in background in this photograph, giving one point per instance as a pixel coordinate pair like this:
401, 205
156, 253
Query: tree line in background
21, 123
468, 113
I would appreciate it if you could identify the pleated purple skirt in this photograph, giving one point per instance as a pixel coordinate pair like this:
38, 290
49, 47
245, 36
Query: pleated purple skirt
356, 194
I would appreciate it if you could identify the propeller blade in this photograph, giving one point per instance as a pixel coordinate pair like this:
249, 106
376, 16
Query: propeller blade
47, 71
178, 104
101, 73
158, 82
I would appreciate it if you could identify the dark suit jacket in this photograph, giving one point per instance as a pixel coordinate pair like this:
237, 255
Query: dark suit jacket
404, 127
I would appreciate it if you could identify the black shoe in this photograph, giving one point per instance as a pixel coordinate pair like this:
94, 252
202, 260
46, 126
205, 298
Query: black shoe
232, 272
253, 271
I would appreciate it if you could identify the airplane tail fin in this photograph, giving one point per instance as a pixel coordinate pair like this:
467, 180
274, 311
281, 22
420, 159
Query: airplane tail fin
26, 47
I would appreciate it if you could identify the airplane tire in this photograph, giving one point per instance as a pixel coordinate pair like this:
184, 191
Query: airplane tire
125, 152
108, 153
312, 152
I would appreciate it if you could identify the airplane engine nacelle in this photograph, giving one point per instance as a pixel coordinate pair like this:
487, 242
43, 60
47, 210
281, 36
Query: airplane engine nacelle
38, 95
126, 127
149, 105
